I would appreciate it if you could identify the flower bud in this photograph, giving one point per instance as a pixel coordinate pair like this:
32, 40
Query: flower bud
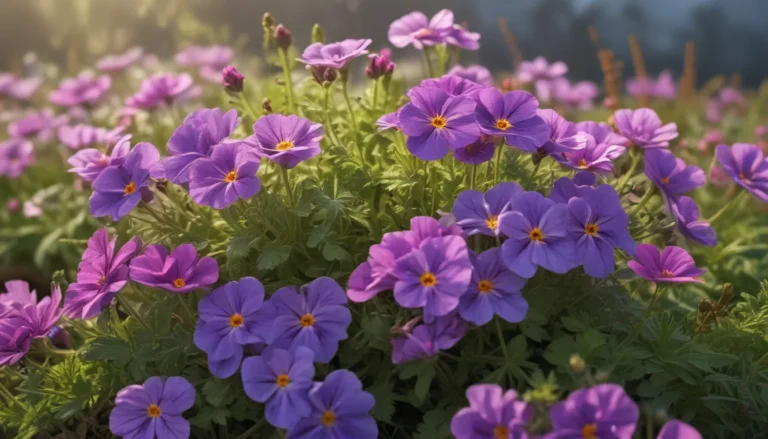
283, 37
13, 205
266, 105
233, 79
317, 34
60, 338
761, 131
380, 64
267, 21
323, 74
577, 363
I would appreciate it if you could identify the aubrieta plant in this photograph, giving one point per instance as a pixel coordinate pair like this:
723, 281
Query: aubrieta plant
234, 256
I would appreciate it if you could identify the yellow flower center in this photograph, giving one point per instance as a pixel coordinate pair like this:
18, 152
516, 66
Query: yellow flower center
285, 144
744, 178
536, 234
179, 283
102, 280
307, 320
501, 432
236, 320
428, 280
328, 418
153, 410
485, 286
503, 124
438, 121
231, 177
283, 380
665, 180
591, 229
492, 222
129, 188
667, 273
589, 431
583, 164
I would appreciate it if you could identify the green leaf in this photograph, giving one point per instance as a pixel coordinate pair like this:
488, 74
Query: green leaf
334, 252
271, 257
385, 401
435, 425
218, 393
238, 248
109, 349
424, 381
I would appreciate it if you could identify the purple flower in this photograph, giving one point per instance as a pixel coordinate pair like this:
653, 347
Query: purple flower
541, 69
287, 140
415, 29
563, 136
599, 224
15, 338
579, 95
564, 188
643, 128
475, 73
513, 116
334, 55
78, 136
16, 155
40, 317
380, 64
434, 276
745, 164
85, 89
493, 290
17, 296
603, 134
32, 209
314, 317
675, 429
454, 85
283, 381
428, 339
729, 96
180, 272
118, 189
492, 414
480, 151
673, 264
436, 122
120, 62
463, 38
153, 410
595, 157
340, 409
41, 124
88, 163
686, 215
232, 79
231, 317
102, 273
21, 89
215, 56
388, 121
163, 89
228, 175
537, 231
661, 88
671, 174
478, 213
599, 411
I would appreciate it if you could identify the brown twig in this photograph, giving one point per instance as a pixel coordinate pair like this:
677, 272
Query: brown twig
511, 40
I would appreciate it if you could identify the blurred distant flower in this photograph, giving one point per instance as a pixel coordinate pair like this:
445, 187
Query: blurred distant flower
580, 95
287, 140
120, 62
380, 64
480, 151
714, 111
233, 79
78, 136
415, 29
16, 154
215, 56
227, 175
475, 73
511, 115
746, 166
181, 271
686, 214
40, 124
761, 131
88, 163
492, 414
462, 38
334, 55
32, 209
643, 128
153, 409
671, 174
541, 69
729, 96
163, 89
711, 137
84, 89
19, 88
661, 88
126, 116
13, 205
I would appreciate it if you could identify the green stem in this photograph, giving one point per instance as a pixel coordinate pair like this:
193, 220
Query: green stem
727, 206
432, 172
250, 432
635, 161
503, 344
131, 311
288, 82
375, 94
643, 201
473, 177
287, 184
636, 329
352, 118
533, 175
428, 60
334, 137
497, 163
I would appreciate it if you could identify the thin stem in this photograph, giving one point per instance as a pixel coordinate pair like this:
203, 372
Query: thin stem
727, 206
334, 137
533, 175
635, 161
503, 344
352, 118
288, 82
375, 94
248, 433
287, 184
473, 177
428, 60
636, 329
432, 171
643, 201
497, 164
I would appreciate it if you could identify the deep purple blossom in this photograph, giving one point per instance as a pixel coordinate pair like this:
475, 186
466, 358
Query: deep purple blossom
541, 69
673, 264
163, 89
334, 55
643, 128
599, 411
180, 272
598, 225
40, 317
287, 140
454, 85
463, 38
416, 29
84, 89
562, 136
479, 213
480, 151
88, 163
494, 289
511, 115
537, 235
81, 135
428, 339
314, 317
340, 409
118, 189
492, 414
662, 88
16, 155
564, 188
102, 273
40, 124
281, 380
15, 339
228, 175
675, 429
231, 317
595, 157
672, 176
153, 409
121, 61
686, 214
475, 73
744, 163
436, 122
233, 80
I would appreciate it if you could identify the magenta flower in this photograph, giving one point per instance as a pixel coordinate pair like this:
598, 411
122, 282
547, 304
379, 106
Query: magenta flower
17, 296
180, 272
153, 409
595, 157
729, 96
675, 429
480, 151
672, 176
81, 135
513, 116
88, 163
388, 122
118, 189
541, 69
436, 122
228, 175
232, 79
415, 29
163, 89
454, 85
287, 140
686, 214
85, 89
673, 264
20, 89
15, 339
744, 163
40, 317
334, 55
643, 128
493, 290
662, 88
120, 62
537, 235
214, 56
40, 124
475, 73
492, 414
462, 38
476, 212
599, 411
580, 95
16, 155
563, 136
102, 273
428, 339
604, 134
380, 64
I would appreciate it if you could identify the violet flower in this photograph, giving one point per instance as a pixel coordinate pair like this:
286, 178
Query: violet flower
84, 89
463, 38
16, 155
88, 163
380, 64
180, 272
686, 214
228, 175
15, 339
454, 85
673, 264
153, 409
492, 414
512, 116
479, 213
744, 163
541, 69
662, 88
163, 89
119, 62
428, 339
334, 55
580, 95
17, 295
599, 411
388, 122
41, 124
563, 136
670, 174
475, 73
493, 290
565, 188
595, 157
415, 29
675, 429
287, 140
40, 317
81, 135
643, 128
477, 152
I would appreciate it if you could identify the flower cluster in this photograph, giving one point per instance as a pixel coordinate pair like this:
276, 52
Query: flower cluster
23, 318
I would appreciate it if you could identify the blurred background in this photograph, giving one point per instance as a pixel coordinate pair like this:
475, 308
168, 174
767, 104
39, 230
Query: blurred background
730, 35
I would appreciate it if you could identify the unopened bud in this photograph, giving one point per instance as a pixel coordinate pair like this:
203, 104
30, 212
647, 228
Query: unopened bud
266, 105
761, 131
379, 64
13, 205
233, 79
283, 37
577, 363
317, 34
268, 23
323, 74
267, 20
